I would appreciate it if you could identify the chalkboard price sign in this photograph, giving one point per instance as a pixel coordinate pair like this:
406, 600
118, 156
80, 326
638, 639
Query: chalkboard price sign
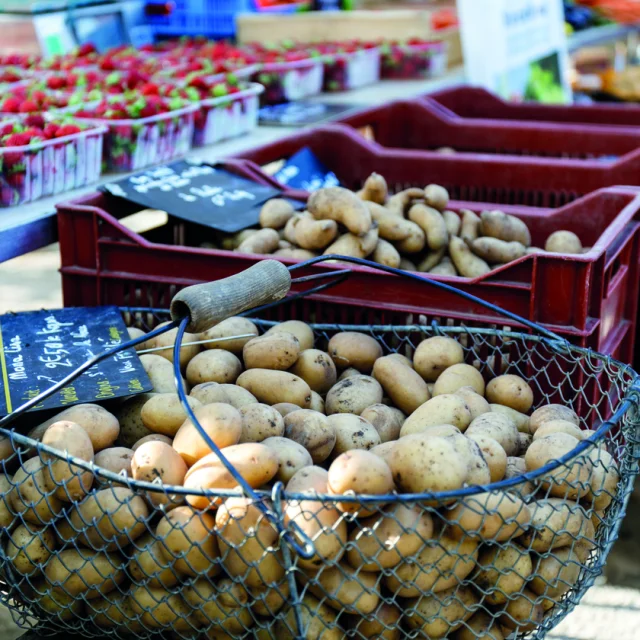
40, 348
301, 114
197, 192
304, 171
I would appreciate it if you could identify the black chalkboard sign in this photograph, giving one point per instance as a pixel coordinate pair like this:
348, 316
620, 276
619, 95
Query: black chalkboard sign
40, 348
304, 171
197, 192
300, 114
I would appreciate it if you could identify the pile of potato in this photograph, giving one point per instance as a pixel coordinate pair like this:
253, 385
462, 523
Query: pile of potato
340, 421
412, 230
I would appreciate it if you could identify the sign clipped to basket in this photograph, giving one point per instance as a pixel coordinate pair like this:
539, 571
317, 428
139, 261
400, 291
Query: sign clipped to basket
40, 348
304, 171
301, 114
197, 192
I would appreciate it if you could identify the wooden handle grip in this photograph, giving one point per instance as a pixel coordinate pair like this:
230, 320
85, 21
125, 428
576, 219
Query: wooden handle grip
210, 303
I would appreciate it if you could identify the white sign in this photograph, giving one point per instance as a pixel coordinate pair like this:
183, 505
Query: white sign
516, 48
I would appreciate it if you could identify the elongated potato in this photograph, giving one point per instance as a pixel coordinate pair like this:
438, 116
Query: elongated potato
399, 202
470, 227
317, 369
436, 354
436, 196
453, 222
275, 213
447, 409
495, 251
313, 431
497, 224
390, 225
353, 349
354, 246
353, 395
558, 426
341, 205
466, 262
226, 329
414, 242
264, 241
164, 413
478, 471
276, 351
297, 328
221, 422
352, 432
387, 421
385, 253
553, 575
214, 365
430, 220
29, 547
313, 234
274, 387
403, 385
211, 392
432, 259
445, 268
152, 437
375, 189
160, 372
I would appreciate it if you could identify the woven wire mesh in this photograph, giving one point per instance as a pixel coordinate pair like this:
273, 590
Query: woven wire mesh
506, 560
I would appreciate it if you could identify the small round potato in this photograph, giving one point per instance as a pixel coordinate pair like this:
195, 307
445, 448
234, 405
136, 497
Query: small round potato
268, 599
285, 408
277, 351
7, 518
129, 414
458, 376
29, 547
523, 612
214, 365
499, 427
383, 624
448, 408
135, 333
31, 497
301, 330
478, 472
152, 437
317, 403
550, 412
520, 419
229, 328
353, 395
149, 566
291, 457
259, 422
59, 605
348, 373
493, 453
113, 610
402, 384
210, 392
158, 461
164, 413
318, 619
553, 575
481, 626
311, 430
317, 369
384, 451
353, 349
159, 608
224, 603
510, 391
558, 426
352, 432
356, 472
160, 372
603, 484
476, 404
436, 354
308, 480
275, 387
168, 340
502, 571
387, 421
116, 459
563, 242
515, 468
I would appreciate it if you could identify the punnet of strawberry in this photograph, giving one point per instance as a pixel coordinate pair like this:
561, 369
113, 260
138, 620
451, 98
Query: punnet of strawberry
29, 99
22, 60
409, 59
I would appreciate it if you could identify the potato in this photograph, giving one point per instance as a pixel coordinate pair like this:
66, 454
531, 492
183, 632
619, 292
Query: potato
502, 571
234, 326
66, 481
353, 395
563, 242
515, 468
390, 225
414, 242
389, 538
317, 403
569, 480
458, 376
494, 455
383, 623
129, 414
343, 588
275, 213
275, 387
116, 459
233, 242
453, 222
522, 613
158, 608
384, 451
111, 611
210, 392
430, 220
495, 251
160, 372
438, 615
159, 462
348, 373
478, 472
387, 421
214, 365
291, 456
152, 437
276, 351
432, 259
309, 233
470, 226
109, 519
359, 472
445, 268
268, 599
436, 354
296, 254
225, 604
553, 575
353, 349
101, 426
489, 516
550, 412
558, 426
375, 189
163, 413
59, 605
262, 242
308, 480
444, 409
149, 566
467, 264
497, 224
603, 483
29, 547
7, 517
31, 497
436, 196
341, 205
188, 542
317, 369
285, 408
168, 340
496, 426
440, 564
510, 391
301, 330
255, 462
323, 524
259, 421
317, 618
249, 543
476, 404
6, 449
481, 626
355, 246
352, 432
403, 385
422, 464
312, 431
555, 523
520, 419
385, 253
400, 201
83, 572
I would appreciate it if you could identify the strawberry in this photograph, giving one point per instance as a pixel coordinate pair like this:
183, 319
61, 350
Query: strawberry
28, 106
85, 49
35, 120
50, 131
6, 129
16, 180
10, 105
67, 130
149, 88
16, 140
55, 82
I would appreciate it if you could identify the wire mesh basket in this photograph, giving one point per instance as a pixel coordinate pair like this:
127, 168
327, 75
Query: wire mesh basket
286, 553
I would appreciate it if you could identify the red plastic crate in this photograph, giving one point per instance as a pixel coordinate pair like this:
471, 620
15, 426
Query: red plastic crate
424, 125
471, 181
474, 102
